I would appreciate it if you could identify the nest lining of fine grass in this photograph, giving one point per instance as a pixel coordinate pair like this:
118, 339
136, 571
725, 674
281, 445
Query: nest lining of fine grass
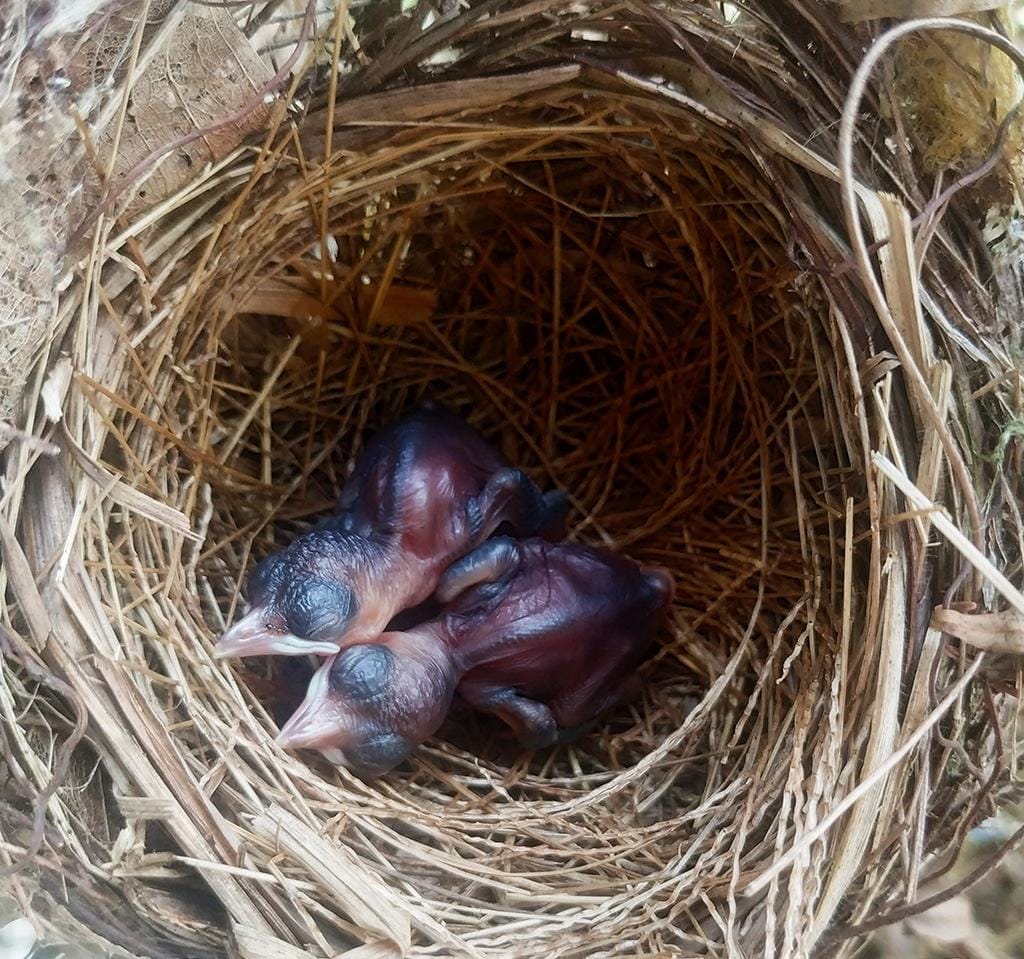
637, 290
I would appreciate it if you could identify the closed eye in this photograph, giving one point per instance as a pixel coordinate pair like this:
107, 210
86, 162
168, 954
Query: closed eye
363, 673
317, 608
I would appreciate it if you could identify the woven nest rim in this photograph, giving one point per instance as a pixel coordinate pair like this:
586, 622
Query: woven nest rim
818, 669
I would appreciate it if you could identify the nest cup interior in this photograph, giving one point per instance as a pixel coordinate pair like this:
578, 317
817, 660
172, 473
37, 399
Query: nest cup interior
587, 297
605, 293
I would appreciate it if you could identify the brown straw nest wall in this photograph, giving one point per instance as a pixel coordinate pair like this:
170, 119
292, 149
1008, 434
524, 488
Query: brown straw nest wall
612, 236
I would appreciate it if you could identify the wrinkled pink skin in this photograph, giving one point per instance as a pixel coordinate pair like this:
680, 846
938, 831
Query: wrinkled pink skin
546, 637
425, 492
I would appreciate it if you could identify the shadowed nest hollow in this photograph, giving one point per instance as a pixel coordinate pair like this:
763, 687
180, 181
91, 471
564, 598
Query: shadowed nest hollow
612, 238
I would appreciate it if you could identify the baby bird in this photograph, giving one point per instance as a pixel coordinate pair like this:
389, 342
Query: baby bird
425, 492
544, 636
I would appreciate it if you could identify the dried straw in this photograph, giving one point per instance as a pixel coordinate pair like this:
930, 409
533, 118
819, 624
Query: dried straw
612, 236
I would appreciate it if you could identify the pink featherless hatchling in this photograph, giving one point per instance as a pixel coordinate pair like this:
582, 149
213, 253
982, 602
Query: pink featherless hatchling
425, 491
544, 636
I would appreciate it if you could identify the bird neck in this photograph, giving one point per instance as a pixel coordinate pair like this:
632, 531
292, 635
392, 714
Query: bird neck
438, 633
404, 578
428, 643
461, 635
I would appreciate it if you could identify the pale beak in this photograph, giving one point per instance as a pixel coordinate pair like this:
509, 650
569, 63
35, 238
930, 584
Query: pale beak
313, 725
251, 636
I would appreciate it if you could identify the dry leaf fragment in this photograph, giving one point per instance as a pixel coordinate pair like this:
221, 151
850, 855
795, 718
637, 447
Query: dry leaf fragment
56, 388
400, 306
854, 11
876, 366
999, 632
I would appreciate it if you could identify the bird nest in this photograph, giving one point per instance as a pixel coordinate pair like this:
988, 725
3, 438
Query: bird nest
613, 238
